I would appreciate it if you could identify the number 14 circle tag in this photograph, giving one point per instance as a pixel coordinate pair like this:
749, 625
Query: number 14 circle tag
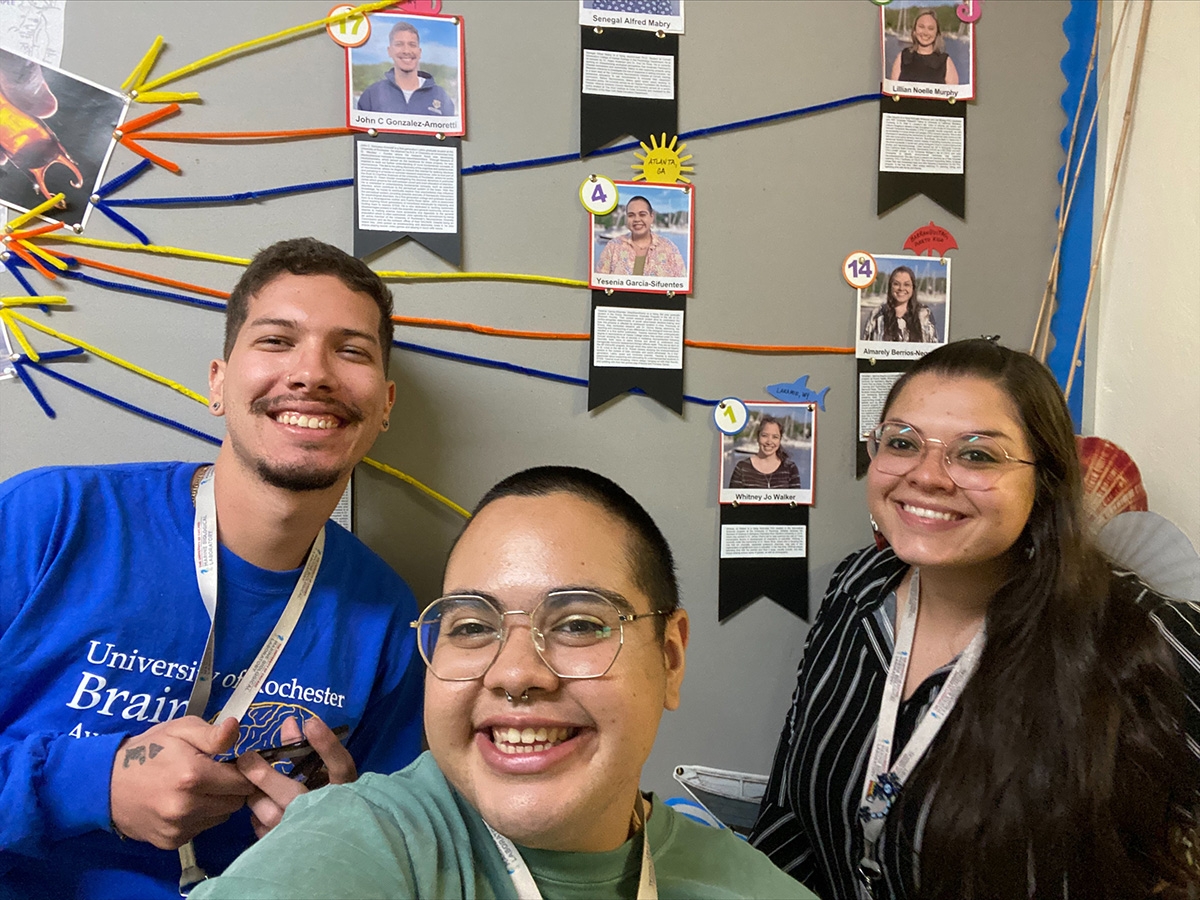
598, 195
859, 269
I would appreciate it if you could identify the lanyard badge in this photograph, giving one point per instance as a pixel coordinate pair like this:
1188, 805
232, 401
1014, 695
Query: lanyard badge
205, 556
527, 889
884, 779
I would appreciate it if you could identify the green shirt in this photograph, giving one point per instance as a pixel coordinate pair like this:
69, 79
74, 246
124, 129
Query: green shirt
411, 835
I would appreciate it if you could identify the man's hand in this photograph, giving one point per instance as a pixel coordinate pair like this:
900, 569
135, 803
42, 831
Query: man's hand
276, 791
166, 788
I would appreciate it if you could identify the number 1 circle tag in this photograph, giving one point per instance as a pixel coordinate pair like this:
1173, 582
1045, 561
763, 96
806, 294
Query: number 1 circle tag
859, 269
730, 415
598, 195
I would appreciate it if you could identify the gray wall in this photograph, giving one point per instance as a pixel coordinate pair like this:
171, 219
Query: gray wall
777, 209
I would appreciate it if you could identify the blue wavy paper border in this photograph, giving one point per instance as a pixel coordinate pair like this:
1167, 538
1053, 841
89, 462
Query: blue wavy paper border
1079, 27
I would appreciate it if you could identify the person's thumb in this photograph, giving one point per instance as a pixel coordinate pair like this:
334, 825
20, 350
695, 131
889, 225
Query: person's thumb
219, 737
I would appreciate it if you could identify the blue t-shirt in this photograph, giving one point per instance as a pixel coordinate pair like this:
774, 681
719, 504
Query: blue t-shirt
101, 630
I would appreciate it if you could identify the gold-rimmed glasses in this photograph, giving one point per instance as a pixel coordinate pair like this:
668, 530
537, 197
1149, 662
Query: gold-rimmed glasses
974, 462
577, 633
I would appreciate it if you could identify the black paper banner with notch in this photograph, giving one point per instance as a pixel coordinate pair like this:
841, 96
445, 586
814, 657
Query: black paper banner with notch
948, 191
744, 579
607, 382
603, 119
871, 367
446, 245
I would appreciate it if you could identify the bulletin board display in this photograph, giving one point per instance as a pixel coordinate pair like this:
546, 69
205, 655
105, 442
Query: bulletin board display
773, 212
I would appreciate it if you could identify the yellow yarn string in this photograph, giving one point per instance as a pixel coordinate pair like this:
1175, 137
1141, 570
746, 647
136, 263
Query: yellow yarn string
242, 261
408, 479
6, 316
163, 96
145, 65
96, 351
44, 256
149, 248
482, 276
32, 301
33, 213
258, 42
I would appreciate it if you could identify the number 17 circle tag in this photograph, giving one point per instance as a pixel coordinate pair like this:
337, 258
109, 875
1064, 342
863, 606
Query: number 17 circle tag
352, 31
859, 269
598, 195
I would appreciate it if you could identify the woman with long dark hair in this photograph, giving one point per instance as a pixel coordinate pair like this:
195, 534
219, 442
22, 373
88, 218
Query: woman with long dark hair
901, 317
986, 708
771, 466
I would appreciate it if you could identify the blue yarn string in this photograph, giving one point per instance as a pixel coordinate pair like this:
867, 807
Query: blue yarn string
775, 117
121, 220
128, 407
683, 136
539, 161
533, 162
234, 198
52, 354
114, 184
122, 286
144, 291
492, 363
19, 368
522, 370
12, 264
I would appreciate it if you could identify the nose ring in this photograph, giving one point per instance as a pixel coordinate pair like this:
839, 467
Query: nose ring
522, 699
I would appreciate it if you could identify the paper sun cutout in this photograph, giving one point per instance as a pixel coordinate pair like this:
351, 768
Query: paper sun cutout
662, 163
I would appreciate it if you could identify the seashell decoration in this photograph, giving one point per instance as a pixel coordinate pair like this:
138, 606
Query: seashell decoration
1112, 483
1161, 554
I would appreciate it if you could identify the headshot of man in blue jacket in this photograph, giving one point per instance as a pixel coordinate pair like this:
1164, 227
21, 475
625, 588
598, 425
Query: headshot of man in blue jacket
156, 615
406, 89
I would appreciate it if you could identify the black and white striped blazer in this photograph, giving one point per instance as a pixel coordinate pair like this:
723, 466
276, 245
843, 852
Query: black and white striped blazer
807, 824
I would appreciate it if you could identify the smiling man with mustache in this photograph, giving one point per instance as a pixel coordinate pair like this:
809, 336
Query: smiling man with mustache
404, 88
114, 578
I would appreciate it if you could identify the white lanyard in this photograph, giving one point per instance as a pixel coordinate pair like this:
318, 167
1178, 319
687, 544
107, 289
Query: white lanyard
883, 780
205, 546
527, 888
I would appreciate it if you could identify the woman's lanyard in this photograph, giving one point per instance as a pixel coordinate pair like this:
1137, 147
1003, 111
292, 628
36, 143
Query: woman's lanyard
527, 888
205, 543
883, 781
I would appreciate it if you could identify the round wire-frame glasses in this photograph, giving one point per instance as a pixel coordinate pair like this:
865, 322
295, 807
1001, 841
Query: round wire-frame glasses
974, 462
578, 634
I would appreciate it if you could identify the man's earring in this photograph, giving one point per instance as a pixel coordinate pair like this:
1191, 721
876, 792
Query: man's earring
387, 423
216, 405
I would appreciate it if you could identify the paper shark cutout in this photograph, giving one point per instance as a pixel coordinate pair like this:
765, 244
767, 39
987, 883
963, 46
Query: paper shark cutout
798, 391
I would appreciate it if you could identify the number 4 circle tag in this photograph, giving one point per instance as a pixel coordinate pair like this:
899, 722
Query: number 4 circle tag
730, 415
598, 195
859, 269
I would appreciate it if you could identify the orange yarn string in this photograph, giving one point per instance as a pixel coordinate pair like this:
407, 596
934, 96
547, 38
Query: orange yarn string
240, 135
583, 336
145, 276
